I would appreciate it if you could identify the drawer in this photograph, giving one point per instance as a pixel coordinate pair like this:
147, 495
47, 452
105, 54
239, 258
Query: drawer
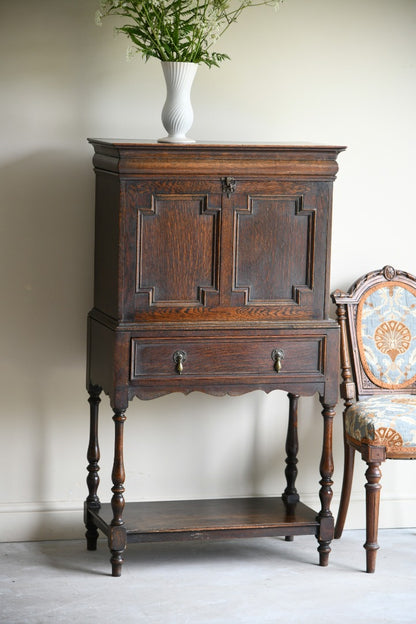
230, 357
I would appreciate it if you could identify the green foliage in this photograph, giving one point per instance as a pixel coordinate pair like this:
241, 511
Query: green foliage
178, 30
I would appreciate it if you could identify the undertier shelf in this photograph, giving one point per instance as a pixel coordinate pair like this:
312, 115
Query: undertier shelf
210, 519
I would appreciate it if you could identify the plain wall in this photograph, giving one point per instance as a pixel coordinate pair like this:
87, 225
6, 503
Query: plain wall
327, 71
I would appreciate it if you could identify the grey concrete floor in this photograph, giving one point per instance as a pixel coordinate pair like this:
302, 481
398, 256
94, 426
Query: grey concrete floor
253, 581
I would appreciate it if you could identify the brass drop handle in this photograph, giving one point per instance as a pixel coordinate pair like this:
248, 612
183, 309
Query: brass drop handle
278, 355
179, 358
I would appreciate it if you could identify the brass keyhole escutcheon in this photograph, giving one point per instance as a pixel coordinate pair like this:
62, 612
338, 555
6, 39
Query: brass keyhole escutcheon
278, 355
179, 358
228, 185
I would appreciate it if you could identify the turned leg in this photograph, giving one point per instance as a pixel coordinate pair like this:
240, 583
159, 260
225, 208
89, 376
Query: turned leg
117, 538
349, 454
372, 488
93, 480
326, 520
290, 495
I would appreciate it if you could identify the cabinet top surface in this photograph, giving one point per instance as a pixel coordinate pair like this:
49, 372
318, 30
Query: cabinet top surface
221, 145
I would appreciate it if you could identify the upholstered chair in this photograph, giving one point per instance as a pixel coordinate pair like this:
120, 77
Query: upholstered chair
377, 318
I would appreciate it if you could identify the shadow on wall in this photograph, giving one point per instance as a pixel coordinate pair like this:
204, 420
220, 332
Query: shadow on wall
46, 252
47, 232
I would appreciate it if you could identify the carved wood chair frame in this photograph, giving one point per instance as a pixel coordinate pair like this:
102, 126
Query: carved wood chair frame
357, 386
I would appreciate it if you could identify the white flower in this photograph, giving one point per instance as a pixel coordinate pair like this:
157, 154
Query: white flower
130, 52
98, 18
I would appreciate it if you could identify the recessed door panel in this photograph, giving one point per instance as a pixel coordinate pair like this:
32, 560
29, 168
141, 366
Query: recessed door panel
274, 238
176, 247
177, 250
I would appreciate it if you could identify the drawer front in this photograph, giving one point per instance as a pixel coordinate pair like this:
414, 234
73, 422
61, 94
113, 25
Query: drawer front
228, 358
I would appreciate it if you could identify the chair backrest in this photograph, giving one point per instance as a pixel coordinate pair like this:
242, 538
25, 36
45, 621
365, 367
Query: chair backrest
378, 333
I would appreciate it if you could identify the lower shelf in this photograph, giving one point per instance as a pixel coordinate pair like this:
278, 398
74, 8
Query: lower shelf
210, 519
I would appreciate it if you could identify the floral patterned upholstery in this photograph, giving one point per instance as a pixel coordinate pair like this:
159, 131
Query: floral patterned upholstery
385, 420
386, 333
386, 338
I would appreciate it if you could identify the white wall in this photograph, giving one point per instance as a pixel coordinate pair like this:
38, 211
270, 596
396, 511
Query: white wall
326, 71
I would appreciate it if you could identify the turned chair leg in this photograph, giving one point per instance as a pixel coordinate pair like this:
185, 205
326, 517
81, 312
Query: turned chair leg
372, 488
349, 454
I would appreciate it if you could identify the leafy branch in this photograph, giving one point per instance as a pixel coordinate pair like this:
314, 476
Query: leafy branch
178, 30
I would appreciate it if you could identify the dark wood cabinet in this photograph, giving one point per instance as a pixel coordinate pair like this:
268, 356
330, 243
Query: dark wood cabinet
211, 274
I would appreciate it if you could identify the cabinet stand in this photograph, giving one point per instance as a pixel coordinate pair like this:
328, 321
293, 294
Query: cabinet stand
206, 519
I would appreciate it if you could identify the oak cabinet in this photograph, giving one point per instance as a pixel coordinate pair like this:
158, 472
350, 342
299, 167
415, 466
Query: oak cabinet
211, 274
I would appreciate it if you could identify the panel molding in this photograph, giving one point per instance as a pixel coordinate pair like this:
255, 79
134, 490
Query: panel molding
300, 293
181, 235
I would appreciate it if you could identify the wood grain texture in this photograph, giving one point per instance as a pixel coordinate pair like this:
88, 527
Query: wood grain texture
219, 253
164, 520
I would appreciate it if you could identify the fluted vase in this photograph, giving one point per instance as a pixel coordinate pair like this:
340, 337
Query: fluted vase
177, 113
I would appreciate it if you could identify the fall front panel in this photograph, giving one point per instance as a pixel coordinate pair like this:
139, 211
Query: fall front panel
255, 253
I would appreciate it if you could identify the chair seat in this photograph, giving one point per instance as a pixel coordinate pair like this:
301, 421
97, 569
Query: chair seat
384, 420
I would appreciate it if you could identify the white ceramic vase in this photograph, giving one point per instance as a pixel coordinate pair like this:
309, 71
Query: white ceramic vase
177, 113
